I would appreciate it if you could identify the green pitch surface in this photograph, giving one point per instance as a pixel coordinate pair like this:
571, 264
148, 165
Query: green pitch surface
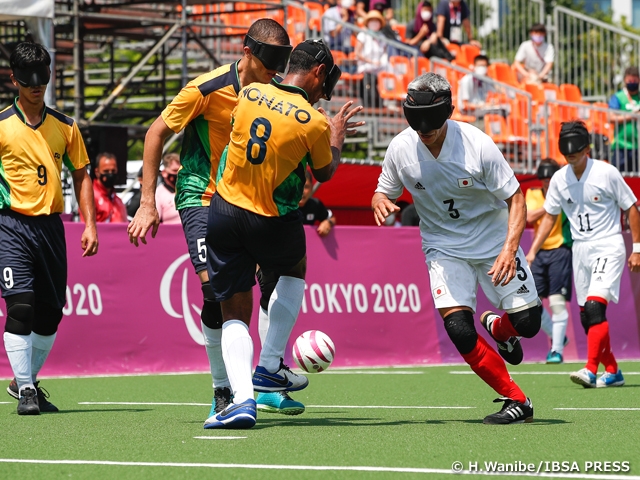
377, 423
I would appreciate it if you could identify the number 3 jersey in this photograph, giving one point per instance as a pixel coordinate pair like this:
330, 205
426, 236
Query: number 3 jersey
459, 196
592, 204
31, 160
276, 133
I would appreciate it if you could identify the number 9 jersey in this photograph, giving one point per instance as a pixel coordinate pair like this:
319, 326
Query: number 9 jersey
276, 133
31, 160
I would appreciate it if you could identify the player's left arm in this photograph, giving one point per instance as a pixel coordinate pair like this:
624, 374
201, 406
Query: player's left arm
504, 268
634, 224
84, 195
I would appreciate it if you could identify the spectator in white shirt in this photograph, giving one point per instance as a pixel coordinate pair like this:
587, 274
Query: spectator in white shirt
472, 92
335, 34
535, 57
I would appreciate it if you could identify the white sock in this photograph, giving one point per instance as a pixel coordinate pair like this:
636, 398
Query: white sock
284, 308
212, 342
559, 330
546, 324
40, 347
263, 325
237, 351
18, 348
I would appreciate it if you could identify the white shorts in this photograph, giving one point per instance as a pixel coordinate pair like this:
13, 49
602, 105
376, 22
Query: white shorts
454, 282
597, 268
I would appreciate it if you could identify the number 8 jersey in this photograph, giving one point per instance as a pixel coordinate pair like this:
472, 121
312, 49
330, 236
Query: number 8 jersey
592, 204
276, 133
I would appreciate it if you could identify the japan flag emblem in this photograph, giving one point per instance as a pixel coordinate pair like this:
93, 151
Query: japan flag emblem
596, 198
439, 291
465, 182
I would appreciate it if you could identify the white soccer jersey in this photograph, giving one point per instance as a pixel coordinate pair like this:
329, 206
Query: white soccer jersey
459, 196
592, 204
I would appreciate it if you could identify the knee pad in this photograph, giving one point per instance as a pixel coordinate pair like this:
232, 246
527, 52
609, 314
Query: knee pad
594, 313
46, 319
211, 314
267, 282
527, 321
558, 304
461, 330
20, 313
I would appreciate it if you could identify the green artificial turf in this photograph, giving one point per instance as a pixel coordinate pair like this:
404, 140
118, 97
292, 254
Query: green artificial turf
323, 435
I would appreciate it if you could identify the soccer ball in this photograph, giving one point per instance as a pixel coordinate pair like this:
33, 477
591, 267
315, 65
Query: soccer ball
313, 351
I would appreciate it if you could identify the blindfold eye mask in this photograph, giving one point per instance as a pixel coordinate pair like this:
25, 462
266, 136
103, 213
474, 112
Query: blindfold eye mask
273, 57
427, 111
33, 76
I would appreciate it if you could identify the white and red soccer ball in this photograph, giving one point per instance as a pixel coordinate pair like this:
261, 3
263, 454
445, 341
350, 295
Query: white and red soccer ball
313, 351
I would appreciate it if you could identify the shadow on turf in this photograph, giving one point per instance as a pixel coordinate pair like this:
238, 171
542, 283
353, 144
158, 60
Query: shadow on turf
99, 410
283, 421
536, 421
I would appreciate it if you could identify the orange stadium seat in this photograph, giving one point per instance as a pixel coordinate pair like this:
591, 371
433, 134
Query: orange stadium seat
391, 86
470, 52
503, 73
401, 30
454, 49
402, 66
599, 121
424, 65
500, 131
552, 91
571, 92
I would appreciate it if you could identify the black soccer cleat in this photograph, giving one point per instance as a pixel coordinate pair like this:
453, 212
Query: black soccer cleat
45, 405
511, 350
511, 412
28, 402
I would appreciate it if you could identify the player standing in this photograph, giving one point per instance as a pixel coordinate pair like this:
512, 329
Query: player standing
34, 142
203, 110
552, 266
591, 194
472, 215
254, 218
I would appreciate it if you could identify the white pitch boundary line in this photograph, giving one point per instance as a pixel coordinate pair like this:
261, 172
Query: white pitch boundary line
219, 438
170, 404
321, 468
371, 372
601, 408
465, 372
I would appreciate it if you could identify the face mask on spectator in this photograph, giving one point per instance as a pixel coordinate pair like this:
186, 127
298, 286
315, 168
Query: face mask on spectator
374, 25
347, 3
537, 37
108, 179
171, 179
426, 15
632, 86
480, 70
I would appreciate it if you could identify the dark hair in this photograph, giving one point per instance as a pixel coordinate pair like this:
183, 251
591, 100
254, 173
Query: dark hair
426, 3
27, 54
481, 58
538, 27
268, 31
631, 72
302, 62
573, 125
107, 155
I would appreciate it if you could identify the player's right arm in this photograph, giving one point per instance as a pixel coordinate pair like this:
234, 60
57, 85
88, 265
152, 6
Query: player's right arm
389, 188
147, 217
84, 195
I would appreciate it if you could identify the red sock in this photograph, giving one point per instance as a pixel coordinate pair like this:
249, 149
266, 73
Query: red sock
597, 339
606, 355
490, 367
502, 330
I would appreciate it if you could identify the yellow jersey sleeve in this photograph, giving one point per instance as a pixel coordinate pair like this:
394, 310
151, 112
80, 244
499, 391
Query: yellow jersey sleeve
186, 106
75, 155
320, 150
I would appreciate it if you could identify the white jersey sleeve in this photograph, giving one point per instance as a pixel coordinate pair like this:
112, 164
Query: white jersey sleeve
389, 181
497, 174
552, 200
621, 191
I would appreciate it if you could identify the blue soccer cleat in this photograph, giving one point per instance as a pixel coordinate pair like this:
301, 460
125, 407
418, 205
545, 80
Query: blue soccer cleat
584, 377
279, 402
283, 379
554, 357
235, 416
609, 379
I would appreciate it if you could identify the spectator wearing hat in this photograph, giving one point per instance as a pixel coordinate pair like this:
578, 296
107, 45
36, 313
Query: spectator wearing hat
371, 55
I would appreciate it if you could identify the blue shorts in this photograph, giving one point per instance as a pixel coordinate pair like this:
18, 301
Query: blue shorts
194, 224
552, 272
238, 240
33, 257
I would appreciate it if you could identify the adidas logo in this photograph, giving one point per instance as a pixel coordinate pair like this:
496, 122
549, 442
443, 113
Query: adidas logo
599, 278
522, 290
569, 201
419, 186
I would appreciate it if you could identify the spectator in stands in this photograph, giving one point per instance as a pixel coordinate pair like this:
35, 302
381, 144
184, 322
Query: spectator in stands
422, 32
134, 202
371, 55
313, 210
335, 34
166, 191
534, 58
384, 7
109, 207
625, 143
472, 92
452, 17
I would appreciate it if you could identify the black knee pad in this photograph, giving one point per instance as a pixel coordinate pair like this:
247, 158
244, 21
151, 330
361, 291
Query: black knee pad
46, 319
461, 330
527, 322
267, 282
593, 314
211, 314
20, 313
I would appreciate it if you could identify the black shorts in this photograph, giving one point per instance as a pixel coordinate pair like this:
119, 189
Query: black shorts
33, 257
552, 272
238, 240
194, 224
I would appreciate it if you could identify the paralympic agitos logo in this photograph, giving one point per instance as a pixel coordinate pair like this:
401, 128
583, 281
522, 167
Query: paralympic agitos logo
191, 322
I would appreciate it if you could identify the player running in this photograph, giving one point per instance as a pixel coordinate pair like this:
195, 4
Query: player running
472, 215
203, 110
591, 194
34, 142
254, 218
552, 266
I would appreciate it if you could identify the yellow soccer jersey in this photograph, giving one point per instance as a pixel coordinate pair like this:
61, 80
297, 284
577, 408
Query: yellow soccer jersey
31, 160
203, 109
560, 233
276, 133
